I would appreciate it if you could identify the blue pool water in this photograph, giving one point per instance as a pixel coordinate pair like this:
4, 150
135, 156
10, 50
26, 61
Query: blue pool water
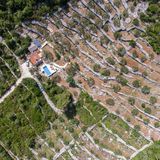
46, 70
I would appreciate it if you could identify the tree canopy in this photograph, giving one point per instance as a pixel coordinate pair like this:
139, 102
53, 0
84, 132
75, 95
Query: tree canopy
13, 12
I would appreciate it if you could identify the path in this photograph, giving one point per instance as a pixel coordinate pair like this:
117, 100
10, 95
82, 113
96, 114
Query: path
25, 73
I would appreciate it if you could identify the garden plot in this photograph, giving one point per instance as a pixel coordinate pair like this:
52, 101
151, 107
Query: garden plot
7, 79
40, 29
107, 140
79, 153
10, 59
65, 156
44, 149
89, 111
57, 93
124, 131
96, 150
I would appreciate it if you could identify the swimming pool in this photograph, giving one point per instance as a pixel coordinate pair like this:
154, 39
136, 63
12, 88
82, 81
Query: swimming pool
47, 71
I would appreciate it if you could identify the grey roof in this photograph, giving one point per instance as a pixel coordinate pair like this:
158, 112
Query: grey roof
32, 47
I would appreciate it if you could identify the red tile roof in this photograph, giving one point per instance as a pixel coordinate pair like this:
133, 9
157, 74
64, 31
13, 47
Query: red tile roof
34, 57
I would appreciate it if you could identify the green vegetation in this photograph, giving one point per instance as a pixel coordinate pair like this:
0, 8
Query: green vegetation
145, 90
6, 78
153, 100
148, 110
135, 112
24, 108
96, 67
90, 81
136, 83
73, 69
60, 96
88, 110
110, 60
131, 101
132, 43
123, 130
116, 88
4, 155
121, 80
152, 32
71, 81
9, 58
136, 22
124, 70
13, 13
150, 153
110, 102
121, 51
117, 35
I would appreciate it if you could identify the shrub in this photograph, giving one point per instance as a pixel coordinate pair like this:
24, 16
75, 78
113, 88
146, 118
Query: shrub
121, 80
124, 70
90, 82
132, 43
144, 74
110, 60
143, 105
143, 59
157, 124
136, 22
134, 112
104, 40
131, 101
121, 51
145, 90
117, 35
96, 67
134, 54
105, 28
110, 102
137, 127
146, 121
123, 62
153, 100
117, 3
71, 81
135, 68
105, 72
148, 110
116, 88
125, 14
136, 83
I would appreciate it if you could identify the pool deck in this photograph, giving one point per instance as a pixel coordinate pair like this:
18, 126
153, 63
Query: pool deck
48, 69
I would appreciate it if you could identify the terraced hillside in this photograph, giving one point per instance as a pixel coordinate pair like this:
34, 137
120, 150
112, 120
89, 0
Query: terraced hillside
103, 103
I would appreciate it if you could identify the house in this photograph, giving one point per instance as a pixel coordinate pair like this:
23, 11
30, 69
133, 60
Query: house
35, 58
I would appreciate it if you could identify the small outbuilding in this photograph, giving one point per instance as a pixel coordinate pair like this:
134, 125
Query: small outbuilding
37, 43
32, 48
